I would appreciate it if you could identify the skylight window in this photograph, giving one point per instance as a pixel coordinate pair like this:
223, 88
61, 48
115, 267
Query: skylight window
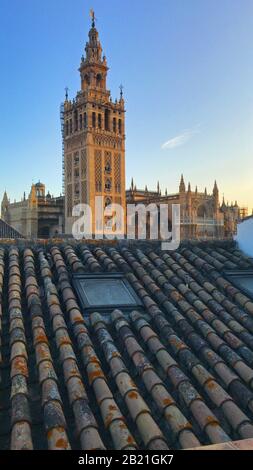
242, 279
102, 291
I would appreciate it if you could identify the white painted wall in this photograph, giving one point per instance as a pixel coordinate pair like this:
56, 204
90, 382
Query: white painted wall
244, 236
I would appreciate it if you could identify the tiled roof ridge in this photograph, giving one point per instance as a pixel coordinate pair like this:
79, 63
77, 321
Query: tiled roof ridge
212, 289
232, 317
2, 264
86, 426
212, 358
203, 316
193, 401
180, 426
21, 436
55, 424
202, 263
150, 432
111, 414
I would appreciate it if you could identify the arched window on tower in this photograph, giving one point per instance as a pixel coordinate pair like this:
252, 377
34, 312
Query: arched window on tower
98, 80
108, 185
108, 167
85, 120
87, 79
114, 125
67, 128
80, 122
107, 120
99, 121
93, 119
120, 126
70, 126
76, 120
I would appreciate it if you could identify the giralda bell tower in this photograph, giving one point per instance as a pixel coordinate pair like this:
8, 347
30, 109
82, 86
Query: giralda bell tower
94, 138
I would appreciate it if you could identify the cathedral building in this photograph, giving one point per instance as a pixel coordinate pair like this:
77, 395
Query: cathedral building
202, 216
94, 138
37, 216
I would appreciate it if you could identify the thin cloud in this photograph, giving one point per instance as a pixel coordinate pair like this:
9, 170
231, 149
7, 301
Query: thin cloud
180, 139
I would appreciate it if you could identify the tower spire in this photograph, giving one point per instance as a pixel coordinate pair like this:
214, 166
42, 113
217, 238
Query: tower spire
93, 68
121, 91
92, 15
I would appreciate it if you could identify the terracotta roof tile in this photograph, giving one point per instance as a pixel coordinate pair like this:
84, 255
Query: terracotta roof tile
175, 373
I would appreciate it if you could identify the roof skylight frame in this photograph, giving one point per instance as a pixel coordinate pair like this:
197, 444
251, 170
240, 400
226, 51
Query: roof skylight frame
233, 275
86, 296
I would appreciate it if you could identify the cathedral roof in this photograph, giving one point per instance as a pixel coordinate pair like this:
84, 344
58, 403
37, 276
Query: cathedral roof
176, 371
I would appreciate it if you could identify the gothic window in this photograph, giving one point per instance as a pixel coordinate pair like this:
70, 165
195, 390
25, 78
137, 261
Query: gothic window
85, 120
76, 120
120, 126
108, 184
67, 128
99, 121
93, 119
201, 212
107, 120
114, 125
80, 122
71, 126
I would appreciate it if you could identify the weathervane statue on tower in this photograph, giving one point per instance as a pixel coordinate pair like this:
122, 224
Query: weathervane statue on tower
92, 15
121, 91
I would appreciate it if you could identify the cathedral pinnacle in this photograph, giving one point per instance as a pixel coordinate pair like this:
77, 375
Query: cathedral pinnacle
215, 188
182, 185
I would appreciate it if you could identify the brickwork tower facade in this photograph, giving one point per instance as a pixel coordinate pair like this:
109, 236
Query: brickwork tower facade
94, 138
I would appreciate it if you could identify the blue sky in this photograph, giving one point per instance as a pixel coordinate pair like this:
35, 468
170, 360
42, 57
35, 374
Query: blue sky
187, 71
